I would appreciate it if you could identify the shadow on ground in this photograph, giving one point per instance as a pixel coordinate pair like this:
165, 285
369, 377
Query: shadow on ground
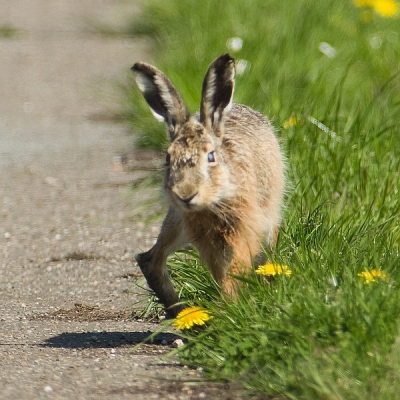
107, 339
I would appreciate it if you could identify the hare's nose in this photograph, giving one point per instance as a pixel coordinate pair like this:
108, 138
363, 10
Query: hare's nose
186, 200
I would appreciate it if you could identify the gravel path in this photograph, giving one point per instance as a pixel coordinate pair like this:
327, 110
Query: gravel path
66, 234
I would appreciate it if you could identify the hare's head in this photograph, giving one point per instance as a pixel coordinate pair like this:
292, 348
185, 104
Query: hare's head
197, 176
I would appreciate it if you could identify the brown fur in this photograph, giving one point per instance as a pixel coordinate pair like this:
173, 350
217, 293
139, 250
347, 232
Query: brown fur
225, 180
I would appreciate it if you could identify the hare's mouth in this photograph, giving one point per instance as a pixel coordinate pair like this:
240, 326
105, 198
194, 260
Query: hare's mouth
188, 202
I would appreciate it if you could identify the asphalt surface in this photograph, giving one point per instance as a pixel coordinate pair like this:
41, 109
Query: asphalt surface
67, 232
67, 236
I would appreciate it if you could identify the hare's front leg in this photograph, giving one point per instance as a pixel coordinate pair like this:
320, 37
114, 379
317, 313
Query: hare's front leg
237, 257
153, 262
220, 258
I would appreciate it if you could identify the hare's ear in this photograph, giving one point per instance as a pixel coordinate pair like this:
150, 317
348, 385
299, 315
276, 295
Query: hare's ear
216, 97
162, 97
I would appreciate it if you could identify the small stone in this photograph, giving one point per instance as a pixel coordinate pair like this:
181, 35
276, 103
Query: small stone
202, 395
48, 389
7, 235
164, 342
177, 343
51, 181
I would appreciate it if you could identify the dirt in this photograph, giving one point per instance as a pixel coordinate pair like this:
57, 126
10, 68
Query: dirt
67, 234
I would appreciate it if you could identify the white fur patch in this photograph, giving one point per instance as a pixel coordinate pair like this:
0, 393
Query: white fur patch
157, 116
228, 108
144, 83
165, 94
147, 85
210, 92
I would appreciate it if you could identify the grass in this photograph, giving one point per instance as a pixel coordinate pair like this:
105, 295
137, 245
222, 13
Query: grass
321, 333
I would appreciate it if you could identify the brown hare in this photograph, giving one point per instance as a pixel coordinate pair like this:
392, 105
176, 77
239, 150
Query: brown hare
224, 179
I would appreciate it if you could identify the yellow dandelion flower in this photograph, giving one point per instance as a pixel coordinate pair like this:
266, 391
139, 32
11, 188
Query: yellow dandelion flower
373, 276
290, 123
273, 269
191, 316
386, 8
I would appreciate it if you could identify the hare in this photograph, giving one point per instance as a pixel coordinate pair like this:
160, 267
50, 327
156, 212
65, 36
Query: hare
224, 178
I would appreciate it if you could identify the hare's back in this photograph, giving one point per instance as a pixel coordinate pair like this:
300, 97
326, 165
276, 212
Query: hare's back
253, 151
250, 130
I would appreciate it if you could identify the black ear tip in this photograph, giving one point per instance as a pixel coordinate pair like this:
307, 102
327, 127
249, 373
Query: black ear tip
136, 67
223, 61
225, 58
145, 69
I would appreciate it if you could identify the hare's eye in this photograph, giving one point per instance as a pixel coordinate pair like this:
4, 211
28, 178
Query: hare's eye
167, 159
211, 157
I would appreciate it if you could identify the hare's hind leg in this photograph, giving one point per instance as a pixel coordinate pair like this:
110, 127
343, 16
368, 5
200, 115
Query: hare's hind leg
153, 262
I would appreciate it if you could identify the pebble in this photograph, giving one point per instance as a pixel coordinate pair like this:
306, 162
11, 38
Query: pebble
48, 389
177, 343
51, 181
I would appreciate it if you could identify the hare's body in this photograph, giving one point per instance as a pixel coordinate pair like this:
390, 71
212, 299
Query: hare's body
224, 180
